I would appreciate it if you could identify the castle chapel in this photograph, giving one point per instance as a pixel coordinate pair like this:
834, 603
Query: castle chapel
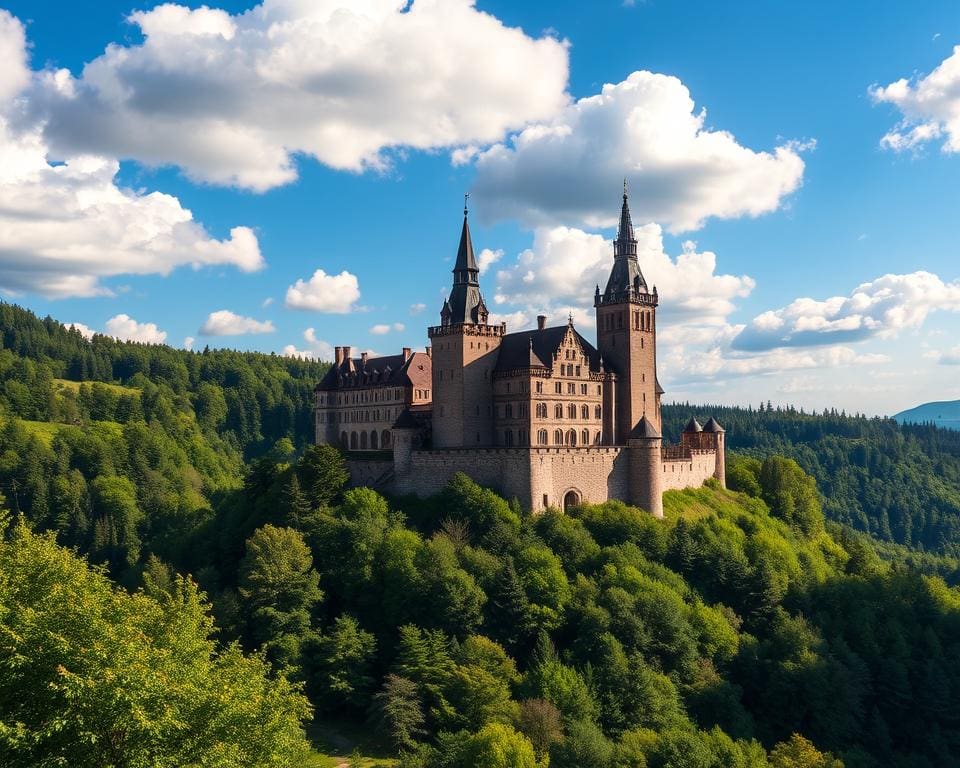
541, 415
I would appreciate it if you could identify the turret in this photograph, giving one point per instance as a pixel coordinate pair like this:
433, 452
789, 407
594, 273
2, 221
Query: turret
646, 469
718, 443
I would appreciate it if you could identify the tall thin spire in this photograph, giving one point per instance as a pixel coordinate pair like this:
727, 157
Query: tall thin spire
626, 274
465, 304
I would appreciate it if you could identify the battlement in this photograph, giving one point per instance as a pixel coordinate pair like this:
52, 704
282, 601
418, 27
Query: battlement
631, 296
467, 329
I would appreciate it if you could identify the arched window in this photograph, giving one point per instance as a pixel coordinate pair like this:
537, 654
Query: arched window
571, 437
542, 437
558, 411
385, 439
572, 411
344, 441
597, 412
584, 412
353, 441
541, 410
557, 437
363, 440
585, 438
373, 440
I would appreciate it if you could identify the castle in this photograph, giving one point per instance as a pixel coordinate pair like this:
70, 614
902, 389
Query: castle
540, 415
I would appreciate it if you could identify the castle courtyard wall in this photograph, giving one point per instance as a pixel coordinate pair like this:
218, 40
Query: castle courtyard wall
688, 472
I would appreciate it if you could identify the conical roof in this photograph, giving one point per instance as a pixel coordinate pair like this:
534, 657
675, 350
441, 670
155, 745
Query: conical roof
693, 426
466, 261
713, 426
644, 430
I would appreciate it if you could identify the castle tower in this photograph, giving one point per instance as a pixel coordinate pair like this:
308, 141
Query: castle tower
464, 355
627, 334
646, 471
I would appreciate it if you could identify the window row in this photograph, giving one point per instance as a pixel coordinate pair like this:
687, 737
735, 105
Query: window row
569, 438
571, 410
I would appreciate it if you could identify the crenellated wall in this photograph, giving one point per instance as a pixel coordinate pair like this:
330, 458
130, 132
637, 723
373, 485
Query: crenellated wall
539, 477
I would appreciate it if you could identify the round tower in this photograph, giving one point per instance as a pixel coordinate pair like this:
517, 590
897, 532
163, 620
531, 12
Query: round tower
713, 428
646, 468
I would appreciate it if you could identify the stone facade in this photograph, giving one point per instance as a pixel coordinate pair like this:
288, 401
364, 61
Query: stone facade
540, 415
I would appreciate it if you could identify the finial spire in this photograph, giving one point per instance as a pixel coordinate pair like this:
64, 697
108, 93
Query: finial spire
466, 196
624, 187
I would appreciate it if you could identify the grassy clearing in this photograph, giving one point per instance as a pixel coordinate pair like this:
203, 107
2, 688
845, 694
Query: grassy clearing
343, 743
74, 386
694, 503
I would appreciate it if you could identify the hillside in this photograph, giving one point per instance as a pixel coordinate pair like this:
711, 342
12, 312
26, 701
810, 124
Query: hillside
944, 414
900, 483
745, 629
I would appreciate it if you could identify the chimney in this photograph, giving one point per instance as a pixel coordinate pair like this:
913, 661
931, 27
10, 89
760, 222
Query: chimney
541, 322
406, 354
346, 354
430, 352
337, 355
363, 358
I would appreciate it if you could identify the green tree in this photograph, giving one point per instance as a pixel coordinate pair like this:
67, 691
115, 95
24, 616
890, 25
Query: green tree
281, 587
127, 680
323, 474
340, 665
798, 752
497, 745
399, 710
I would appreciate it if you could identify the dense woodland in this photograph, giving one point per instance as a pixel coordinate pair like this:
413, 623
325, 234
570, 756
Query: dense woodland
184, 581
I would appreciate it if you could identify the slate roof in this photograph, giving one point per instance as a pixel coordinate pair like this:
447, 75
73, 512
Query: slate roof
713, 426
525, 349
693, 426
644, 430
387, 371
465, 304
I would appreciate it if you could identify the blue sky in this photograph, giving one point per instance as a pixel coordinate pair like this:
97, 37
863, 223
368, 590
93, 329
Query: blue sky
812, 175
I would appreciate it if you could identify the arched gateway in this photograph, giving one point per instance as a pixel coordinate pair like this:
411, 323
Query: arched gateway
570, 499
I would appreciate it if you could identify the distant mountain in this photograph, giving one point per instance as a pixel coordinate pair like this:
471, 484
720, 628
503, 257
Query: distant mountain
945, 414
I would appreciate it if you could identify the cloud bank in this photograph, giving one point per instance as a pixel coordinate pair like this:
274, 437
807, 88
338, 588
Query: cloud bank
567, 170
231, 99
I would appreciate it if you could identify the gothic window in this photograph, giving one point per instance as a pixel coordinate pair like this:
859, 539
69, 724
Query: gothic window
559, 388
572, 411
583, 389
558, 411
571, 437
597, 412
539, 387
584, 411
373, 440
363, 440
353, 441
542, 437
571, 388
558, 437
585, 437
596, 439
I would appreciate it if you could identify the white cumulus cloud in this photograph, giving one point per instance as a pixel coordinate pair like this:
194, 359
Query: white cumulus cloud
226, 323
316, 349
188, 342
929, 105
85, 330
564, 265
14, 74
946, 357
881, 307
335, 294
416, 309
125, 328
381, 329
568, 170
487, 258
231, 99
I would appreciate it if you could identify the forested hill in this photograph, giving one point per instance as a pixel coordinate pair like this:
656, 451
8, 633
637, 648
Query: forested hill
942, 414
123, 447
900, 483
249, 399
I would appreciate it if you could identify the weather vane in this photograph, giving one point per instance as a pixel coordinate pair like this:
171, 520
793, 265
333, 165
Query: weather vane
466, 196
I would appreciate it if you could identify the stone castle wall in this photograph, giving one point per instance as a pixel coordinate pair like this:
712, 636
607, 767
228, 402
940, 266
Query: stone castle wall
688, 472
368, 472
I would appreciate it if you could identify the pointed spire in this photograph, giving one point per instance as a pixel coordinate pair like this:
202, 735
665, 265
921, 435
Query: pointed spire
625, 233
625, 277
466, 269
